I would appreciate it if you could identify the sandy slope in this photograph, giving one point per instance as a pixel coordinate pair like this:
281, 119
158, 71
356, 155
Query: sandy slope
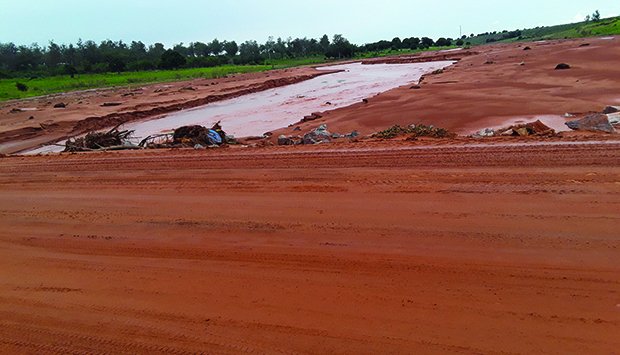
363, 248
472, 95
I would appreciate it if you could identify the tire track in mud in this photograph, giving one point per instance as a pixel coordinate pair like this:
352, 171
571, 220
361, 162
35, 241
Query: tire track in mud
366, 252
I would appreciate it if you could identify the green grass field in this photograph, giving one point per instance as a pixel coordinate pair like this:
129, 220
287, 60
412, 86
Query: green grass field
57, 84
604, 27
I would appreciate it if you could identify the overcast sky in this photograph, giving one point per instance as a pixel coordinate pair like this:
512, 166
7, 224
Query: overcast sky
361, 21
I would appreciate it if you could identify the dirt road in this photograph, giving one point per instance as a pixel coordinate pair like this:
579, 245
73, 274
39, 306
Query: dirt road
367, 248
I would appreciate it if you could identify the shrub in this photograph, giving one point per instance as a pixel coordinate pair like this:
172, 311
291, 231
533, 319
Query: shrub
21, 87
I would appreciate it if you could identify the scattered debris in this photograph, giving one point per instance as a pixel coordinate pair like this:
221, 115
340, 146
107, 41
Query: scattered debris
60, 105
188, 88
111, 140
365, 101
31, 118
415, 87
487, 132
527, 48
110, 104
316, 136
414, 131
536, 128
562, 66
584, 45
614, 118
190, 137
611, 109
594, 122
489, 62
522, 63
16, 110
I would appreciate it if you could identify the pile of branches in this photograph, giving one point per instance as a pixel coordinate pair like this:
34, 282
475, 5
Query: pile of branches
414, 131
113, 139
189, 136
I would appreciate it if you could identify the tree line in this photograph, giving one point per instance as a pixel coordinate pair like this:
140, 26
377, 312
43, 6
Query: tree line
118, 56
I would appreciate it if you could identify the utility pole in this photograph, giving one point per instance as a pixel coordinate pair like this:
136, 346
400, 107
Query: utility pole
460, 31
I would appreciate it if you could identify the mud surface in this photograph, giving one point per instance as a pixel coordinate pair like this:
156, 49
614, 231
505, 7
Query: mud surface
257, 113
354, 248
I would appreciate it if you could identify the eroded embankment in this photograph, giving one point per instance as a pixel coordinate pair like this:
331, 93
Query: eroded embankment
63, 128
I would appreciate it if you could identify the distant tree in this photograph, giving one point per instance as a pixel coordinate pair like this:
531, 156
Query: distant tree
443, 42
588, 18
396, 43
231, 48
340, 48
53, 57
181, 49
156, 51
172, 60
216, 47
200, 49
460, 42
324, 42
427, 42
249, 52
596, 16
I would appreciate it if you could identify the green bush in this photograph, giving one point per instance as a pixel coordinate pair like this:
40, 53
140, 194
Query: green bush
21, 87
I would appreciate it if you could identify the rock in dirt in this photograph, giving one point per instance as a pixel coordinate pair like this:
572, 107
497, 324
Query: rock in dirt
527, 49
597, 122
60, 105
611, 109
16, 110
110, 104
284, 140
562, 66
319, 135
313, 116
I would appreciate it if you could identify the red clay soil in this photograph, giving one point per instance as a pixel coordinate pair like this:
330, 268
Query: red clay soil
491, 85
361, 248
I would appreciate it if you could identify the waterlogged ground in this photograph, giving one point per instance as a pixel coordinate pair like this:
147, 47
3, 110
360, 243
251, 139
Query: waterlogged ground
255, 114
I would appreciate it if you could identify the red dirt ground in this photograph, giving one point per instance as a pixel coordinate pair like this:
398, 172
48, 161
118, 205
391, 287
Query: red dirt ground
357, 248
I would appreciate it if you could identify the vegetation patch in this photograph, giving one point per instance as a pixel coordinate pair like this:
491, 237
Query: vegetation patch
414, 131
